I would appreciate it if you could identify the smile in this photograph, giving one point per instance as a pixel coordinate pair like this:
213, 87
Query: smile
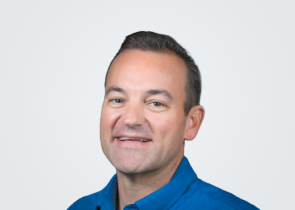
133, 139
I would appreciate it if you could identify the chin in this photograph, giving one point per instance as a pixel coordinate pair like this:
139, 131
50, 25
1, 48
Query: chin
129, 169
129, 165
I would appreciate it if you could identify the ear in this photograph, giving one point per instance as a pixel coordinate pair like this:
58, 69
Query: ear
194, 121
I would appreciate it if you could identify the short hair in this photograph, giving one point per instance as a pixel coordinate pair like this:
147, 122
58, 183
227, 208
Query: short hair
150, 41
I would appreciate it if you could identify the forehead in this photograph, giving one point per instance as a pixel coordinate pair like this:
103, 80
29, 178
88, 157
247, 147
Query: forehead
139, 70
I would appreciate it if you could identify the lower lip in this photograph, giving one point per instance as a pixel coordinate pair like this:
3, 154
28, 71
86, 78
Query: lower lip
127, 143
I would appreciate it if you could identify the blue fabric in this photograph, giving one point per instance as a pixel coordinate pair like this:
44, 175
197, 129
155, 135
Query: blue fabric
185, 191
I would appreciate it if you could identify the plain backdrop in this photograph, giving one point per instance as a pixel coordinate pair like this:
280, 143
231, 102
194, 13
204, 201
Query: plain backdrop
54, 55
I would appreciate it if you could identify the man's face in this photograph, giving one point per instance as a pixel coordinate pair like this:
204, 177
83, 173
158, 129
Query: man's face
142, 124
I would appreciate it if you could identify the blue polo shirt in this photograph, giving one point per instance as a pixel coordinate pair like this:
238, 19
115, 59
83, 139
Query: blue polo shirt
185, 191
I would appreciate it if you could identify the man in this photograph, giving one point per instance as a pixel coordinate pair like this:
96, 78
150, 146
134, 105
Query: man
151, 106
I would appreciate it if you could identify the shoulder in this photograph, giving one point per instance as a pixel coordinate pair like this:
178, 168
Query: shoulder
87, 202
221, 197
202, 195
91, 201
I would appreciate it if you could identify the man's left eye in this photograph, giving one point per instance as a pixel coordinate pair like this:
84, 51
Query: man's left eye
155, 103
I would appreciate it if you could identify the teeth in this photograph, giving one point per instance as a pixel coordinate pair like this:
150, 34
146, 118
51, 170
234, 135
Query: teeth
124, 138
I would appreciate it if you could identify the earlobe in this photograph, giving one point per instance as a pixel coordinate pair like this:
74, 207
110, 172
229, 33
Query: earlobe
195, 118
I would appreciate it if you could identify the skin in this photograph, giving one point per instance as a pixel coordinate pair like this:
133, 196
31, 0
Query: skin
144, 99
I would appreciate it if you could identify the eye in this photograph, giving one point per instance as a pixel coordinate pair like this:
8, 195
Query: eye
157, 104
117, 100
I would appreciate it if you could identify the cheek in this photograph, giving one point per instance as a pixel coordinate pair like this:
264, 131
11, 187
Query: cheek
166, 125
108, 120
159, 124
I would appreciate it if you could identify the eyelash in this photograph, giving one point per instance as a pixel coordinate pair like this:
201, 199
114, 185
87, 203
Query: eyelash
116, 100
160, 104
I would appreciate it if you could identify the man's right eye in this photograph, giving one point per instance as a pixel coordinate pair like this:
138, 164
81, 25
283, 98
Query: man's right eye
117, 100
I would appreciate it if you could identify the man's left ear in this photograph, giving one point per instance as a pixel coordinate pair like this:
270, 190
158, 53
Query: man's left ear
194, 121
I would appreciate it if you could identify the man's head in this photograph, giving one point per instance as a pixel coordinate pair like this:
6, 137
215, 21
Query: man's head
150, 41
143, 121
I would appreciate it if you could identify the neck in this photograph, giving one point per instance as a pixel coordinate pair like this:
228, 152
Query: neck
132, 187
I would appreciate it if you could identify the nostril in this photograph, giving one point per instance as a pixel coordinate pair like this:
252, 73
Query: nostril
133, 118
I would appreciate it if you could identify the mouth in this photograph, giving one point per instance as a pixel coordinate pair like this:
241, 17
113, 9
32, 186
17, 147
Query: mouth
135, 139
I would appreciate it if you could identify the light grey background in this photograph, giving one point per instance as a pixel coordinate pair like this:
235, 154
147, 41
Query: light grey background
54, 55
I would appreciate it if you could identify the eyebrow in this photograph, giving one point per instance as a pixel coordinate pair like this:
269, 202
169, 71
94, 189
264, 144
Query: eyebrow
114, 89
157, 92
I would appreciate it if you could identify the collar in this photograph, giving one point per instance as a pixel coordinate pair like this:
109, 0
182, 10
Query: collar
162, 198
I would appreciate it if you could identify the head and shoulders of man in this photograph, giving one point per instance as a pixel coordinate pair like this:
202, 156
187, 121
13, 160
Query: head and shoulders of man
147, 113
151, 107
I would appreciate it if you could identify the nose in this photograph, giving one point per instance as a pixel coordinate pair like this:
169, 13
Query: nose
133, 116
